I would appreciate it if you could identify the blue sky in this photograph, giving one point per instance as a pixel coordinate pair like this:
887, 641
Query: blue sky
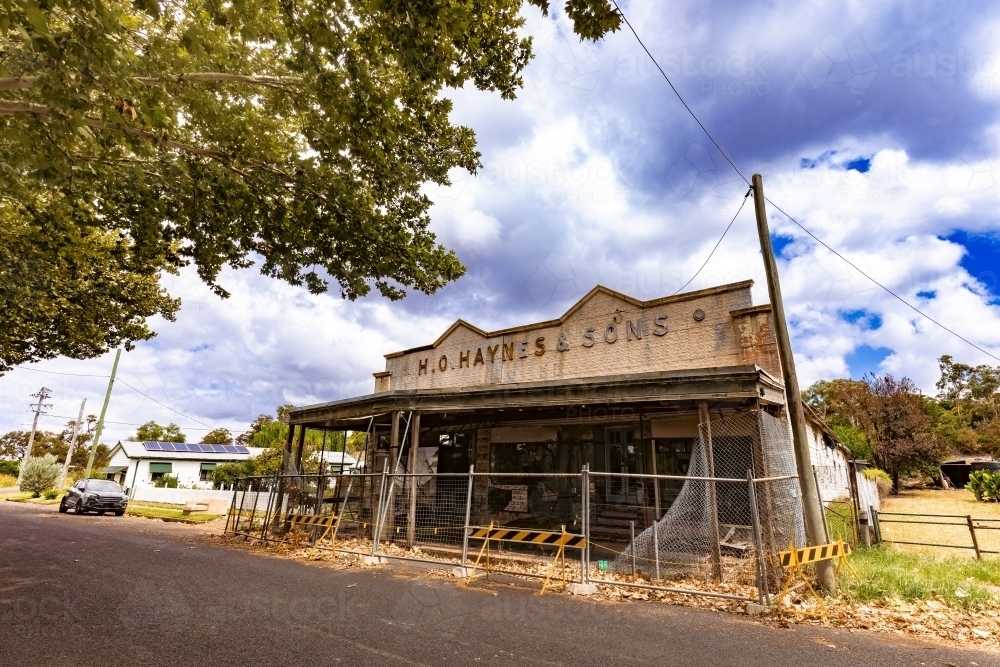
874, 124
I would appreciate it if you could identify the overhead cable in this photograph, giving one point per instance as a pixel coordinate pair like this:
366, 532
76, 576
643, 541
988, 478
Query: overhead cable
799, 224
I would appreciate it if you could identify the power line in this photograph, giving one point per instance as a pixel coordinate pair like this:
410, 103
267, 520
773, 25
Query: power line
899, 298
678, 94
108, 421
717, 244
799, 224
162, 404
39, 370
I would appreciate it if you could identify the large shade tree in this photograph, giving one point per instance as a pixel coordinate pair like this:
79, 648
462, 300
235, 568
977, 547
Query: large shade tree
141, 136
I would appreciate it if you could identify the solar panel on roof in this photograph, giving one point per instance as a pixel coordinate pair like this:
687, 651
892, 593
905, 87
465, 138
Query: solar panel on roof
151, 446
240, 449
231, 449
222, 449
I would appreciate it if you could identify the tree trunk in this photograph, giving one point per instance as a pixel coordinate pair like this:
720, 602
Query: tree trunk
895, 484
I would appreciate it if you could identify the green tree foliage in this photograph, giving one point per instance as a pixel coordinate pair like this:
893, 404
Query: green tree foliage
985, 485
166, 482
40, 473
218, 436
883, 419
839, 403
967, 413
13, 444
898, 428
266, 463
152, 135
157, 433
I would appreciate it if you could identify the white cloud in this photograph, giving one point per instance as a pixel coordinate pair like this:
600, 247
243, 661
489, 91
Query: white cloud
595, 173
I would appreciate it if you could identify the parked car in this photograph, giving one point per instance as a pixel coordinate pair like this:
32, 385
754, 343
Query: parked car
95, 495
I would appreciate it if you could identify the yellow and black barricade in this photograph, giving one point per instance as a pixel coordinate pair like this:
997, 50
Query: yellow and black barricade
300, 521
793, 559
560, 539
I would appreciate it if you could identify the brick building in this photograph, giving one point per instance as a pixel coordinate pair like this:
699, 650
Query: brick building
615, 383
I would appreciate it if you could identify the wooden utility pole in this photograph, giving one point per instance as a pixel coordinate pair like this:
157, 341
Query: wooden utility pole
72, 446
812, 507
100, 420
42, 394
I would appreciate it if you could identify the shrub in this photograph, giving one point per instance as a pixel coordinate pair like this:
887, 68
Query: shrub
985, 485
40, 473
50, 494
8, 467
7, 481
166, 482
882, 480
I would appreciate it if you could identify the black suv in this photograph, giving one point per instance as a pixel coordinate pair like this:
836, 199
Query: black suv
98, 495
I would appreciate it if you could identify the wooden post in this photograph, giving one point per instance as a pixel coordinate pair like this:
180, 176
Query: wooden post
812, 508
72, 445
975, 540
713, 502
299, 447
411, 515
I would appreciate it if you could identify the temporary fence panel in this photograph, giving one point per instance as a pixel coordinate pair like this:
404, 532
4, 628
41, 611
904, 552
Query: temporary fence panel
708, 532
728, 517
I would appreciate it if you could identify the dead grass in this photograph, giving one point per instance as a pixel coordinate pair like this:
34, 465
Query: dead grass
954, 503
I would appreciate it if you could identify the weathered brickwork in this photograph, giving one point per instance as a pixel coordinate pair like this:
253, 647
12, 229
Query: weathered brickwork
605, 333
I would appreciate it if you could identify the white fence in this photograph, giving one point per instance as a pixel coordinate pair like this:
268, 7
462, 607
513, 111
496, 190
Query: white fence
181, 496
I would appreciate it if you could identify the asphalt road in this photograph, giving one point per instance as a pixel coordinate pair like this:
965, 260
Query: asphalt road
127, 591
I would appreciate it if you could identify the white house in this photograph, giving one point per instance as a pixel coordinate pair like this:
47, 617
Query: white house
139, 464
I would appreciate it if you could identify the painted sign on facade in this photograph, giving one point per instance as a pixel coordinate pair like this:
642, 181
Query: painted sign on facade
605, 333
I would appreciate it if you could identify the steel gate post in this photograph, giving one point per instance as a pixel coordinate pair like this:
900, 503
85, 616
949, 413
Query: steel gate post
376, 527
586, 522
468, 515
253, 513
763, 594
243, 499
341, 509
656, 547
632, 546
272, 499
232, 508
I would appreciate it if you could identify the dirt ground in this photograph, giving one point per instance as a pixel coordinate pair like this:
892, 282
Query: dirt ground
957, 504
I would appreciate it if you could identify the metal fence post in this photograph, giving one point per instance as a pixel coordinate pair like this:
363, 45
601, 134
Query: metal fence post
232, 508
763, 594
253, 513
468, 515
632, 547
342, 508
376, 527
875, 524
586, 522
272, 498
656, 548
975, 540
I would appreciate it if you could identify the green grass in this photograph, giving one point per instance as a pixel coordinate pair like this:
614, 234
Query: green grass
840, 521
17, 495
150, 503
886, 573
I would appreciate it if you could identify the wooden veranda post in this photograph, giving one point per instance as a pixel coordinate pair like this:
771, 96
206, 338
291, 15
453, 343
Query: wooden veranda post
812, 508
